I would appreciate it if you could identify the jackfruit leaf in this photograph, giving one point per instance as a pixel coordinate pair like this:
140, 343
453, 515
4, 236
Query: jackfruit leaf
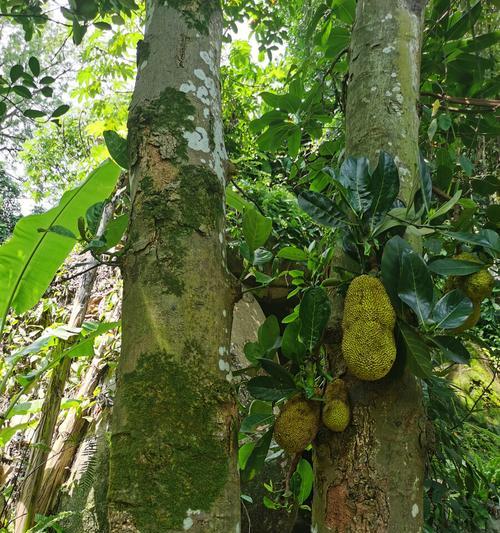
392, 266
30, 259
251, 422
269, 389
415, 286
256, 228
454, 267
425, 183
443, 209
453, 349
269, 333
244, 453
115, 230
383, 185
314, 313
452, 310
305, 471
487, 238
417, 354
117, 147
280, 374
257, 456
261, 408
253, 352
261, 256
355, 177
93, 216
321, 209
235, 200
291, 346
292, 253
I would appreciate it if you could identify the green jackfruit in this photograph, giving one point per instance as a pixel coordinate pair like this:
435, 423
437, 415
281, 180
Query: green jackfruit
336, 413
368, 342
476, 286
297, 424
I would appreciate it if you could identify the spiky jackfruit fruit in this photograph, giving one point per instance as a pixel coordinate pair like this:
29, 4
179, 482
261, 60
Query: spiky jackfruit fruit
336, 413
297, 424
368, 342
476, 286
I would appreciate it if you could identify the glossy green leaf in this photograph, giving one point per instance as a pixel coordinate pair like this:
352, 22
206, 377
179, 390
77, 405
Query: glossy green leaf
452, 310
464, 23
383, 184
279, 373
392, 267
443, 209
268, 389
115, 230
256, 228
117, 147
486, 238
417, 353
355, 178
34, 65
269, 333
304, 469
314, 314
415, 286
425, 183
291, 346
258, 456
30, 259
321, 209
61, 110
252, 422
235, 200
454, 267
292, 253
452, 349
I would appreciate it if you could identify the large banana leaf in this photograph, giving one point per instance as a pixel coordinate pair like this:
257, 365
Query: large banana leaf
30, 259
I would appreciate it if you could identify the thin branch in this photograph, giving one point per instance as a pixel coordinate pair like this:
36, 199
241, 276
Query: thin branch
484, 102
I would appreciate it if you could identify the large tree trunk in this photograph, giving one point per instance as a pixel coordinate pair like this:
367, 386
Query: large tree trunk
370, 477
174, 436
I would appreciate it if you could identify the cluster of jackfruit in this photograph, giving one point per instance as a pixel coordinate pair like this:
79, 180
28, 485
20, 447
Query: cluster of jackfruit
476, 286
336, 413
297, 424
368, 343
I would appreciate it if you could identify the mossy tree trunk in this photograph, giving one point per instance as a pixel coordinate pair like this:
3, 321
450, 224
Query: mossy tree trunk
174, 439
370, 477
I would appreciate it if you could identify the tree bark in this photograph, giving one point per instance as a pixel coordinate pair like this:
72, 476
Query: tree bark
173, 463
370, 477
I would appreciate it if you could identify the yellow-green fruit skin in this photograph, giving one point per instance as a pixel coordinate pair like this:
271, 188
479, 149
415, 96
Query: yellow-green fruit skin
476, 286
297, 424
336, 415
368, 323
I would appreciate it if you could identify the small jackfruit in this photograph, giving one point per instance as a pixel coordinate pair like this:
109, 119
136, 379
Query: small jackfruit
368, 342
336, 413
297, 424
471, 321
476, 286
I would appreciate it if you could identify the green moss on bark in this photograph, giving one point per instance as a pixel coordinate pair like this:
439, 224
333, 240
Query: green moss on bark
173, 466
196, 13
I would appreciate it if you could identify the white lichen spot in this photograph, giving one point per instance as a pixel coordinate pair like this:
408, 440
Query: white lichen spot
187, 523
224, 313
190, 117
387, 17
414, 510
388, 49
197, 140
389, 143
219, 153
208, 59
221, 352
388, 93
314, 529
143, 64
394, 75
373, 89
238, 528
202, 95
188, 87
229, 377
206, 112
399, 98
221, 238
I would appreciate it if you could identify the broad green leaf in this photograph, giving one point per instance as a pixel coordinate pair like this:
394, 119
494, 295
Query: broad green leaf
415, 286
251, 422
16, 71
269, 333
464, 23
262, 256
292, 253
417, 354
355, 177
256, 228
29, 259
115, 229
244, 453
253, 352
34, 65
117, 147
487, 238
425, 183
344, 10
279, 373
235, 200
93, 216
257, 457
443, 209
321, 209
8, 432
453, 349
432, 129
61, 110
268, 389
454, 267
383, 185
314, 313
444, 122
392, 267
304, 469
294, 141
291, 346
452, 310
